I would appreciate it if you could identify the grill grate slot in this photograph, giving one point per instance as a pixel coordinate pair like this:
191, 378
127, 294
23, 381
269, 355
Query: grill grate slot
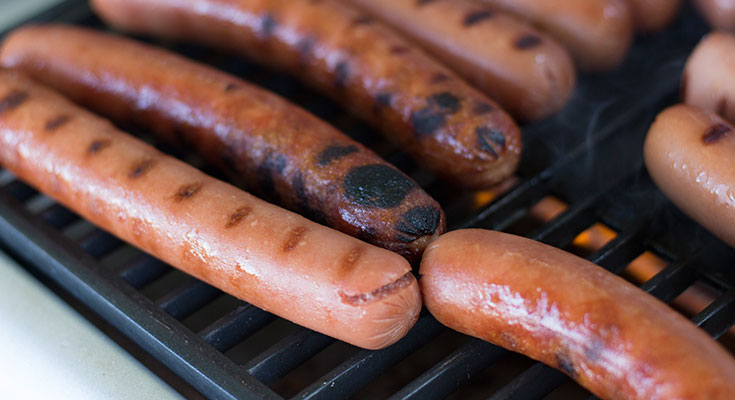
143, 270
287, 354
99, 243
58, 216
231, 329
188, 298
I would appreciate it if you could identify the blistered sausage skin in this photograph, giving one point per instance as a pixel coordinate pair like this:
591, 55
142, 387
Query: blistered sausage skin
274, 148
653, 15
720, 14
612, 338
446, 126
527, 72
277, 260
598, 33
688, 153
708, 80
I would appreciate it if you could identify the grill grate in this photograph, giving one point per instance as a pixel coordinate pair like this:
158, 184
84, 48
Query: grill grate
589, 156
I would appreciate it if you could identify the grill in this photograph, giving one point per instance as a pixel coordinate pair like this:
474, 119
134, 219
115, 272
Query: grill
588, 157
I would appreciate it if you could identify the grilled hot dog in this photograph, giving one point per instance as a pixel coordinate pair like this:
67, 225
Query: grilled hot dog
612, 338
275, 148
527, 72
443, 123
598, 33
708, 80
310, 274
688, 153
720, 14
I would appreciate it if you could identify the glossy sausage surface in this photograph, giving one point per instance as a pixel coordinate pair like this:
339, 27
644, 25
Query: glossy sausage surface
689, 153
526, 71
720, 14
274, 148
654, 15
708, 80
598, 33
446, 126
611, 337
277, 260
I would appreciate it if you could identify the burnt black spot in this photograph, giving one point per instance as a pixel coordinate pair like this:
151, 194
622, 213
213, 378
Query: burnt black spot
367, 234
418, 222
486, 136
445, 101
14, 99
140, 168
715, 133
341, 74
267, 26
439, 77
399, 50
273, 164
237, 216
476, 17
377, 185
335, 152
527, 41
187, 191
362, 20
426, 121
56, 122
97, 145
384, 99
482, 108
230, 87
565, 364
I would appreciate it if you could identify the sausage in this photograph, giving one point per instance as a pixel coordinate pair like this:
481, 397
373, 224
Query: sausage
277, 149
688, 153
277, 260
444, 124
720, 14
654, 15
598, 33
527, 72
708, 80
614, 339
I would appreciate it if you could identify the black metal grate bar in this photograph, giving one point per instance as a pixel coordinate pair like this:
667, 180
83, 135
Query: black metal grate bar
240, 323
99, 243
287, 354
188, 298
143, 270
719, 316
19, 190
533, 383
58, 216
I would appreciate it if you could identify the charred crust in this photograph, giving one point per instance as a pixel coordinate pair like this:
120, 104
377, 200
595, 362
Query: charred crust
367, 234
486, 136
267, 26
527, 41
565, 364
715, 133
399, 50
237, 216
299, 187
384, 100
377, 185
439, 77
482, 108
98, 145
476, 17
445, 101
341, 74
56, 122
426, 121
274, 164
13, 100
140, 168
295, 238
335, 152
417, 222
187, 191
305, 48
377, 294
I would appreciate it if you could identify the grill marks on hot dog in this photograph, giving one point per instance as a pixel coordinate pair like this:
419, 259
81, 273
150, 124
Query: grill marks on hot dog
12, 100
56, 122
351, 290
273, 148
476, 17
715, 133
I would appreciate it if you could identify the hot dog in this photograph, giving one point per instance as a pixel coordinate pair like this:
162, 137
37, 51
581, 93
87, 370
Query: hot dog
277, 260
527, 72
720, 14
598, 33
708, 80
612, 338
279, 150
653, 15
688, 153
446, 126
